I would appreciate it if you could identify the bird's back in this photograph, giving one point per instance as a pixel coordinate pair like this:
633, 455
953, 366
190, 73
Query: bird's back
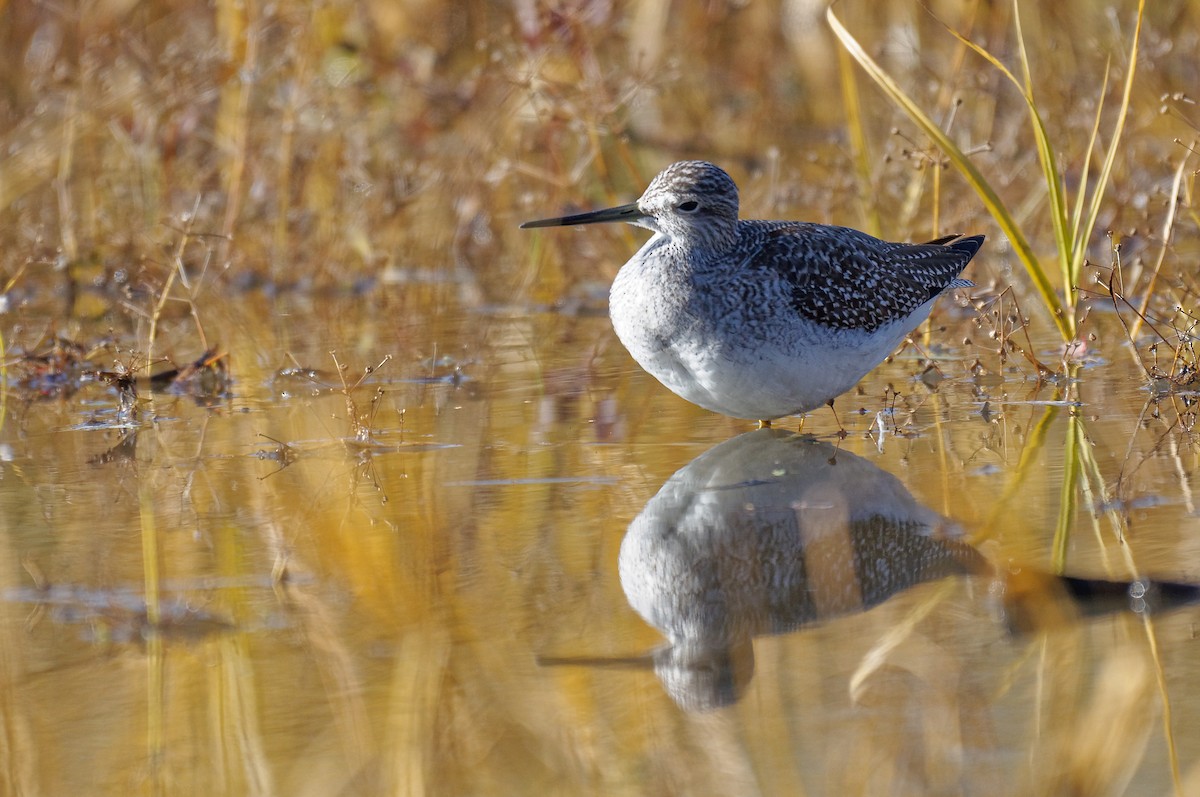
844, 279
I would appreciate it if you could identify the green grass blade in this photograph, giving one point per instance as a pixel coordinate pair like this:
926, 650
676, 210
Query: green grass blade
1022, 53
965, 167
1055, 190
1077, 215
1110, 157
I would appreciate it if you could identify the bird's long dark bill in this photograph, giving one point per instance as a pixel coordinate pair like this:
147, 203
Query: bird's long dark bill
629, 213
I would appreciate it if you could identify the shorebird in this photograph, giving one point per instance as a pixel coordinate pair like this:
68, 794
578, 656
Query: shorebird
763, 319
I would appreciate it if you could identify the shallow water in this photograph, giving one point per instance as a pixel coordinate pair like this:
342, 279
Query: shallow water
439, 535
241, 596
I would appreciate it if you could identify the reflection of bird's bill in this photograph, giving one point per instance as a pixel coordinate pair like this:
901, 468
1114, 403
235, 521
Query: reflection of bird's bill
643, 662
630, 213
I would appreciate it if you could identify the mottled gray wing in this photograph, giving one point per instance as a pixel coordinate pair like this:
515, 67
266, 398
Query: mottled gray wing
846, 279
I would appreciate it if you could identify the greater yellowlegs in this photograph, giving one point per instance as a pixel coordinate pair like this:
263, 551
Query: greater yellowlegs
762, 319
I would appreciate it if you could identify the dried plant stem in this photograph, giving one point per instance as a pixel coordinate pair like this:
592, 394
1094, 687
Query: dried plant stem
176, 271
1072, 230
856, 130
283, 173
1168, 229
66, 164
235, 21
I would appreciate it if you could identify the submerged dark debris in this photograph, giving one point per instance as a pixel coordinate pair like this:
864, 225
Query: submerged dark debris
62, 367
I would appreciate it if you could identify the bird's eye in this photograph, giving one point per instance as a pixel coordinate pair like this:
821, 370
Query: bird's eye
690, 206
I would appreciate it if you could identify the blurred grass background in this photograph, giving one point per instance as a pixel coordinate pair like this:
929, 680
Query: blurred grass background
335, 143
390, 148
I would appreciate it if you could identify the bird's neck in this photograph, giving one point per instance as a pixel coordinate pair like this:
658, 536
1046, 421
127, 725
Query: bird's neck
707, 247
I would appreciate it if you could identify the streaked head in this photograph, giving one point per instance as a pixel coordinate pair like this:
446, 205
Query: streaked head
691, 201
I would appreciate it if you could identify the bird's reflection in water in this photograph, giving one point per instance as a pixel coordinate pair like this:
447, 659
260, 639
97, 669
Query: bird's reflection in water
763, 534
771, 531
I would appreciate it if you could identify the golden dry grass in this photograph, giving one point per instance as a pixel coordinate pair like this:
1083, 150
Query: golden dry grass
159, 160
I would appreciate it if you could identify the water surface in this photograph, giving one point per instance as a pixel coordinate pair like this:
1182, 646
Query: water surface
255, 593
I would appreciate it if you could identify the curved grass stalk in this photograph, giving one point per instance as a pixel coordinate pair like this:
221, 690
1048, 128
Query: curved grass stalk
963, 164
1072, 229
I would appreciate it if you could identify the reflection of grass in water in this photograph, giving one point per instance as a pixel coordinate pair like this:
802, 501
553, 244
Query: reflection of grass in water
155, 655
317, 155
1073, 229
